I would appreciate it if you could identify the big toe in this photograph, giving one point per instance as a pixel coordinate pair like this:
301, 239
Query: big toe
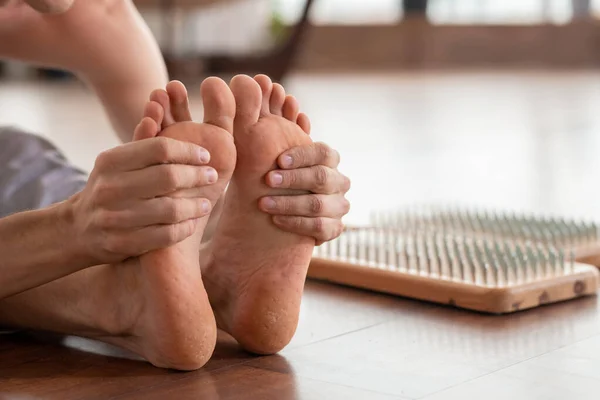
219, 103
248, 100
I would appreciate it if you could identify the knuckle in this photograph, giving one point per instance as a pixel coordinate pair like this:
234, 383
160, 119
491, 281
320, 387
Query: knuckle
330, 156
170, 178
316, 205
162, 149
108, 220
298, 153
289, 178
319, 226
103, 161
172, 210
284, 204
172, 233
103, 191
115, 245
297, 223
325, 151
321, 177
187, 229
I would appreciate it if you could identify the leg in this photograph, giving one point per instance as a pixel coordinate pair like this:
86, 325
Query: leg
33, 173
257, 273
154, 305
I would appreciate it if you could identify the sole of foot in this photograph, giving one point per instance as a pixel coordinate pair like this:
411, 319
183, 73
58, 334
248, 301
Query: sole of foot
256, 277
171, 323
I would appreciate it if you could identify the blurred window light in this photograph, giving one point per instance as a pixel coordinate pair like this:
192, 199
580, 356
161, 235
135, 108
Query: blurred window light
499, 12
342, 12
595, 8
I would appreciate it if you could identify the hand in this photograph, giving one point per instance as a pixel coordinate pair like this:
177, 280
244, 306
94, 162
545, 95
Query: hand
318, 214
125, 209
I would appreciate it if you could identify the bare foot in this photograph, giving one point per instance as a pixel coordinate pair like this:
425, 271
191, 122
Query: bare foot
256, 278
175, 326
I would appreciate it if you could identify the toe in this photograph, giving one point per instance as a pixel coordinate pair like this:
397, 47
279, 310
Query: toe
303, 122
162, 97
277, 99
219, 103
248, 100
290, 108
178, 100
146, 129
155, 111
266, 85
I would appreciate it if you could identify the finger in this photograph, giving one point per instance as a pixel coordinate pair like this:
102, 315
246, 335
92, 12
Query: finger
309, 155
310, 205
160, 210
154, 151
141, 241
322, 229
160, 180
318, 179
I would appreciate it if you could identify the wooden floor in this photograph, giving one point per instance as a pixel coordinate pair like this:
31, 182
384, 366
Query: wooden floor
529, 141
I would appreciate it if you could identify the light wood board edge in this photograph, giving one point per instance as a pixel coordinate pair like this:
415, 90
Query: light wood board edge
583, 282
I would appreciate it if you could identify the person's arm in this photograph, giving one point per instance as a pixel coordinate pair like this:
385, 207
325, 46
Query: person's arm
104, 42
36, 247
124, 211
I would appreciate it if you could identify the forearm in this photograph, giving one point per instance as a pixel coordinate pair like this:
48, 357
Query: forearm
37, 247
104, 42
131, 67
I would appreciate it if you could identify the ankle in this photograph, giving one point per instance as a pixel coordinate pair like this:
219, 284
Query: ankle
116, 292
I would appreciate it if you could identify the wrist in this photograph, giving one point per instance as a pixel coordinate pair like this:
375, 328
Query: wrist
66, 228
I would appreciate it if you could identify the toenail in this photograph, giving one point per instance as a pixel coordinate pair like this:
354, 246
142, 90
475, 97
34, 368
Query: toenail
276, 179
269, 203
287, 161
211, 175
203, 155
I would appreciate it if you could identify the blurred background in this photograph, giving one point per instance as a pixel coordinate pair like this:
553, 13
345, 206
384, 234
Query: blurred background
483, 103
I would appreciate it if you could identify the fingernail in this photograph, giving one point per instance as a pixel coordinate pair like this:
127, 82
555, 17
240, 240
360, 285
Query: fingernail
287, 161
205, 206
203, 155
269, 203
276, 179
211, 175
